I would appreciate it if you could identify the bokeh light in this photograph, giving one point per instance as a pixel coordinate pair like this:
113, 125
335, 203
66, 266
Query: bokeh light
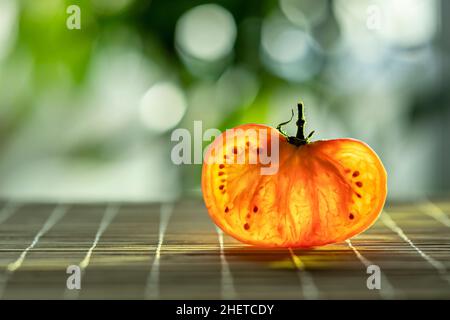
162, 107
305, 14
408, 23
8, 17
288, 50
206, 32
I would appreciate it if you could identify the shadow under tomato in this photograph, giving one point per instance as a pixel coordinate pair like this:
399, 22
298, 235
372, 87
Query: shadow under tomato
282, 258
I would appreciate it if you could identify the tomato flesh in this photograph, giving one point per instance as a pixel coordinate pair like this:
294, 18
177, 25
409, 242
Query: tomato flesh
323, 192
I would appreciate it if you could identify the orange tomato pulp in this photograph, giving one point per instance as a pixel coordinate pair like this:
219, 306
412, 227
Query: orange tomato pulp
322, 192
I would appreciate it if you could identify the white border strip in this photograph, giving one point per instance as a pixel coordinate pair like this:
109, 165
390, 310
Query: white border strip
435, 212
7, 211
111, 212
55, 216
309, 288
387, 290
152, 286
108, 217
227, 284
391, 224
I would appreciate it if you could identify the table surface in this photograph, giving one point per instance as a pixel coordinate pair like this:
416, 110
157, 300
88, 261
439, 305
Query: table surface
174, 251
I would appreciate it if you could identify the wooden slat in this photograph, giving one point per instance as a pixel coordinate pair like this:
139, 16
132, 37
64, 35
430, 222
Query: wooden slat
174, 251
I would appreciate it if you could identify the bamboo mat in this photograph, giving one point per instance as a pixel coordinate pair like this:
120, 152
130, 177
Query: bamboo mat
174, 251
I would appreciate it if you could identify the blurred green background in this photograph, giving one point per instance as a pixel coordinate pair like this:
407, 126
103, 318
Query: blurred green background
88, 114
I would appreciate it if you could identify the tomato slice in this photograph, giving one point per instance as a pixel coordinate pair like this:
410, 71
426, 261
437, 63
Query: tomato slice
321, 192
363, 183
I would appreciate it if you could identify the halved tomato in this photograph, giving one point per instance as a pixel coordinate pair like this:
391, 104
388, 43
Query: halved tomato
319, 193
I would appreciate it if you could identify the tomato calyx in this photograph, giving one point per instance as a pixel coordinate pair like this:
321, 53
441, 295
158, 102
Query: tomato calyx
299, 139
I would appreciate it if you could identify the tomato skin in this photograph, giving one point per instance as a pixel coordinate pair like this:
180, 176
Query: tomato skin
323, 192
